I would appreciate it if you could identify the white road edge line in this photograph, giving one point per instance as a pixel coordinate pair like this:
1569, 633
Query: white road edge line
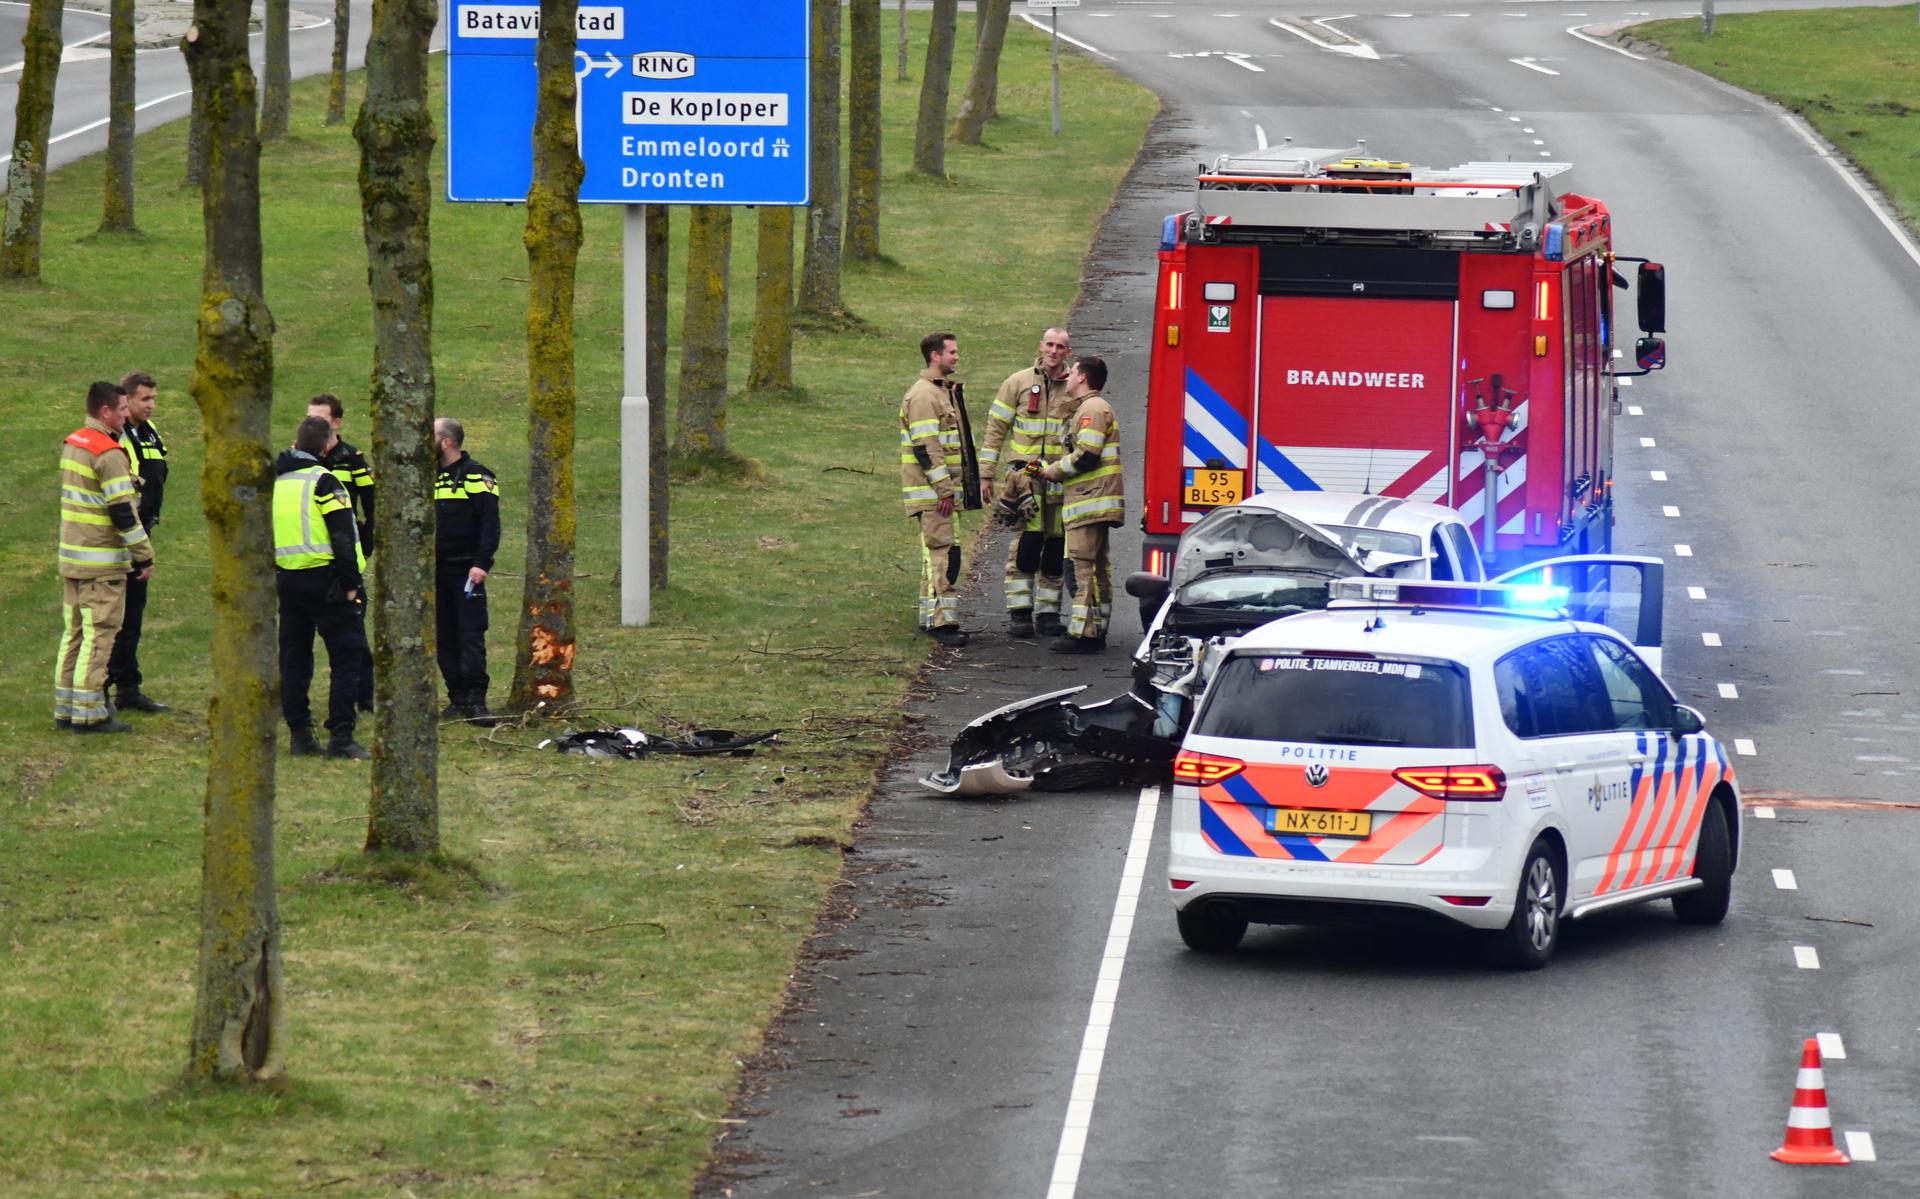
1030, 19
1860, 1145
1358, 49
1260, 136
1532, 66
1832, 1048
1846, 176
1594, 41
1806, 957
1783, 880
1106, 992
88, 128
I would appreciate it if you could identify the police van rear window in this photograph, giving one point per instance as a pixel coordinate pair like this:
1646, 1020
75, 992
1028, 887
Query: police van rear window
1339, 701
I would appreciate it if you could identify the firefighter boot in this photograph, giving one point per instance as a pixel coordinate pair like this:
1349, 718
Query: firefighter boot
1020, 622
950, 635
342, 745
109, 725
1077, 645
1049, 624
300, 743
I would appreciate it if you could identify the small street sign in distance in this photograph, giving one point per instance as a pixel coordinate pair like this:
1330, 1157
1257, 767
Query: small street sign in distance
680, 101
1053, 3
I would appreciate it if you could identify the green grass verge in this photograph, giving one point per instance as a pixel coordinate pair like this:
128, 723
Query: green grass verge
569, 1017
1853, 73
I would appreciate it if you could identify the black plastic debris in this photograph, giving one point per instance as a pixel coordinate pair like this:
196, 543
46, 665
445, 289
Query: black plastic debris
637, 743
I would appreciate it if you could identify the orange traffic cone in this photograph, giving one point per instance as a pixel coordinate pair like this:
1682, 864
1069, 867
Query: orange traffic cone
1809, 1128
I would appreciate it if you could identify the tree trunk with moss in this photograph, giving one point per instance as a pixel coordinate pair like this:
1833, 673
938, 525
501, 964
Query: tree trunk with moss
196, 141
659, 482
983, 85
277, 100
702, 431
820, 264
395, 133
930, 135
771, 368
116, 216
543, 668
337, 77
239, 1001
26, 197
863, 134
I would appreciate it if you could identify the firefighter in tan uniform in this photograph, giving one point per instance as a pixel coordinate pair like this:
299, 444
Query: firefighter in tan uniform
939, 474
1024, 425
1094, 504
102, 544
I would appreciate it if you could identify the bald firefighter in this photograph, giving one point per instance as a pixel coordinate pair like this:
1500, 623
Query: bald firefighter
102, 545
1024, 425
939, 475
1094, 503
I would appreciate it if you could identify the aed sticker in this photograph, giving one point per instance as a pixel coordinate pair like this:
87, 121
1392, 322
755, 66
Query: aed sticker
1219, 318
1537, 797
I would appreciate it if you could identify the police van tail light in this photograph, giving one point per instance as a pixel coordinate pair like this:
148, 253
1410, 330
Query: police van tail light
1453, 782
1201, 769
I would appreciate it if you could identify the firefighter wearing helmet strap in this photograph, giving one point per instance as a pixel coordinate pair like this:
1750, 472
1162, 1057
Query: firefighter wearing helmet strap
1095, 503
1025, 425
939, 475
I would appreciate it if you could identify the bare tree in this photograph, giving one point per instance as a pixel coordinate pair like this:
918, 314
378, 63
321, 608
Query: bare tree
543, 669
337, 77
32, 125
820, 264
983, 85
900, 57
276, 101
396, 137
658, 483
702, 431
930, 136
863, 134
116, 216
771, 368
239, 1001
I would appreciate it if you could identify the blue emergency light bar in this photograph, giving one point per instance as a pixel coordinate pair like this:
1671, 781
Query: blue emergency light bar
1518, 599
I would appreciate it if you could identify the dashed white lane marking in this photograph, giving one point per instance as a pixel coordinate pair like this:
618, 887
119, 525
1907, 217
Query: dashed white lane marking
1669, 510
1744, 747
1763, 813
1784, 880
1696, 593
1546, 153
1538, 142
1623, 382
1658, 476
1832, 1048
1526, 129
1532, 66
1806, 957
1237, 61
1513, 118
1034, 21
1683, 551
1594, 41
1106, 992
1646, 443
1860, 1145
1260, 136
1710, 640
1635, 410
1729, 691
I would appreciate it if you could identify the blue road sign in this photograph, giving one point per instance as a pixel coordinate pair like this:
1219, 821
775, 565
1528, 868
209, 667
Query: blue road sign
681, 101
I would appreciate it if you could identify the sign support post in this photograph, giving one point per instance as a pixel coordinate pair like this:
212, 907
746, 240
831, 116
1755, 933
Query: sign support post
636, 421
1056, 70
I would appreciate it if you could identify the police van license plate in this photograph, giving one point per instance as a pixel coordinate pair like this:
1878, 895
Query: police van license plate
1208, 488
1319, 823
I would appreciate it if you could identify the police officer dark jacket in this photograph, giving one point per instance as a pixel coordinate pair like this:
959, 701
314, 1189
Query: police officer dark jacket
468, 504
349, 466
148, 452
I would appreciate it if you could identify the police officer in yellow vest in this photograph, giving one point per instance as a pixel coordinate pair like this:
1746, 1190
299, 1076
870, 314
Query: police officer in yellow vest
1095, 503
938, 474
102, 545
1024, 425
316, 548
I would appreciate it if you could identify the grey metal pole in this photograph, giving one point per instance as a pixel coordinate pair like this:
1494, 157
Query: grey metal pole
1055, 10
636, 566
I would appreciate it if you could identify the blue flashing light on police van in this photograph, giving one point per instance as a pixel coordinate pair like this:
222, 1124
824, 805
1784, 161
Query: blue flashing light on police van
1537, 595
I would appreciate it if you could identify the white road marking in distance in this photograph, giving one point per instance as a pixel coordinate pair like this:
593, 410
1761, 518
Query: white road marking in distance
1846, 176
1635, 410
1357, 49
1594, 41
1743, 747
1034, 21
1646, 443
1532, 66
1763, 813
1528, 129
1710, 640
1832, 1048
1860, 1145
1696, 593
1806, 957
1784, 880
1683, 551
1624, 382
1669, 510
1658, 476
1106, 991
1238, 61
1260, 136
1729, 691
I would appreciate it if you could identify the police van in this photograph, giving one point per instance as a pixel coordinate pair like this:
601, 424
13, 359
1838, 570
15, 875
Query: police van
1460, 752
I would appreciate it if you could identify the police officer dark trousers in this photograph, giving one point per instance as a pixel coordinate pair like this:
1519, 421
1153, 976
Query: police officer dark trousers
147, 452
349, 466
317, 557
467, 503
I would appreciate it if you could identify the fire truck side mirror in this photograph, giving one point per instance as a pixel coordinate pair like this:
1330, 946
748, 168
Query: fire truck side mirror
1653, 298
1650, 353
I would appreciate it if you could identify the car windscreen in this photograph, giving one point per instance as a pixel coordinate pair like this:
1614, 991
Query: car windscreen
1339, 700
1361, 542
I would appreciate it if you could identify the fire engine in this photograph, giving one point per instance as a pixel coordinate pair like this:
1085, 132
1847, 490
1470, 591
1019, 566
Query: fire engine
1327, 321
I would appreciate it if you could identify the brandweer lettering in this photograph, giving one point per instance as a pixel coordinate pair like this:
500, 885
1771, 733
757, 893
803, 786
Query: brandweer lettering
1400, 379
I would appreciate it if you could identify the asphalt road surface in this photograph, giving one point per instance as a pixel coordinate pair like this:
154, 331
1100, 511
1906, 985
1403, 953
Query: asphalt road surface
1001, 1019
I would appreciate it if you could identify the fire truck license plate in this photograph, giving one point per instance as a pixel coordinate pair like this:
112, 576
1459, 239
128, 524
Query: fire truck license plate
1215, 488
1319, 824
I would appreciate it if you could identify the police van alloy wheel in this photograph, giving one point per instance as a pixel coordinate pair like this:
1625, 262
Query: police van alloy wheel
1210, 927
1713, 866
1529, 938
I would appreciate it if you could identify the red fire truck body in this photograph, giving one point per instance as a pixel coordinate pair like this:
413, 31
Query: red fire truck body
1332, 323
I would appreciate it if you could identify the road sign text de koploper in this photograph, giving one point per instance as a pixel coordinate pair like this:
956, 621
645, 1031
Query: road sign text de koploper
679, 102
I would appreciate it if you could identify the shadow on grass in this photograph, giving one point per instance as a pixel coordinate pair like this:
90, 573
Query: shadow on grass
727, 467
837, 321
439, 877
191, 1101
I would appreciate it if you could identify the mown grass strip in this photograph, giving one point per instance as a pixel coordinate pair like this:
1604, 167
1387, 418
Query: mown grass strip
1853, 73
568, 1017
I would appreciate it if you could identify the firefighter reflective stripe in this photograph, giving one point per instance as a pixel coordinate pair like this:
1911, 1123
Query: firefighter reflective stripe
85, 555
91, 482
300, 540
1094, 507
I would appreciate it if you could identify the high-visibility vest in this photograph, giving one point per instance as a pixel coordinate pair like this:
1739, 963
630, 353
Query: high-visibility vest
300, 539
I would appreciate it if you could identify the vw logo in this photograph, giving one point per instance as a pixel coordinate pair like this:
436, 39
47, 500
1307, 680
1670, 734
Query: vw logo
1316, 775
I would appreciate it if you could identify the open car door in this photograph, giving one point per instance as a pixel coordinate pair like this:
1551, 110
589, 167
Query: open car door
1625, 592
